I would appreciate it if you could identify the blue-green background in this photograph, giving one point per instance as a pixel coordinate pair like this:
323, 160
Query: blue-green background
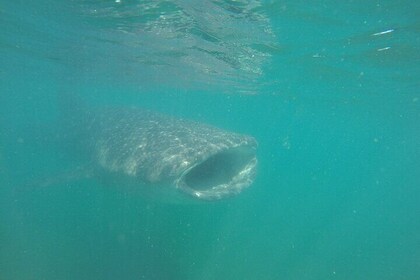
335, 109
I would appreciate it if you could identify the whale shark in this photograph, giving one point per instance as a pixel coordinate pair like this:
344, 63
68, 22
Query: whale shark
161, 152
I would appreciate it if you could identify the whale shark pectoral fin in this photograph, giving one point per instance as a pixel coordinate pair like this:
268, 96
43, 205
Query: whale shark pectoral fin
63, 178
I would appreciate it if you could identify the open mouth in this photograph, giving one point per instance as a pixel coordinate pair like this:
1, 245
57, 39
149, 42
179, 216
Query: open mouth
222, 174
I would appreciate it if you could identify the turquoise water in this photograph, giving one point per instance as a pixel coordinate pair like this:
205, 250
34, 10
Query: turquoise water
330, 91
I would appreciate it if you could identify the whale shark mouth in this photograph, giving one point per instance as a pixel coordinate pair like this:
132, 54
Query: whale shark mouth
221, 174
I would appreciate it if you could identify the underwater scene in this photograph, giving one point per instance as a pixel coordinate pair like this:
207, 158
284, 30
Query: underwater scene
211, 139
